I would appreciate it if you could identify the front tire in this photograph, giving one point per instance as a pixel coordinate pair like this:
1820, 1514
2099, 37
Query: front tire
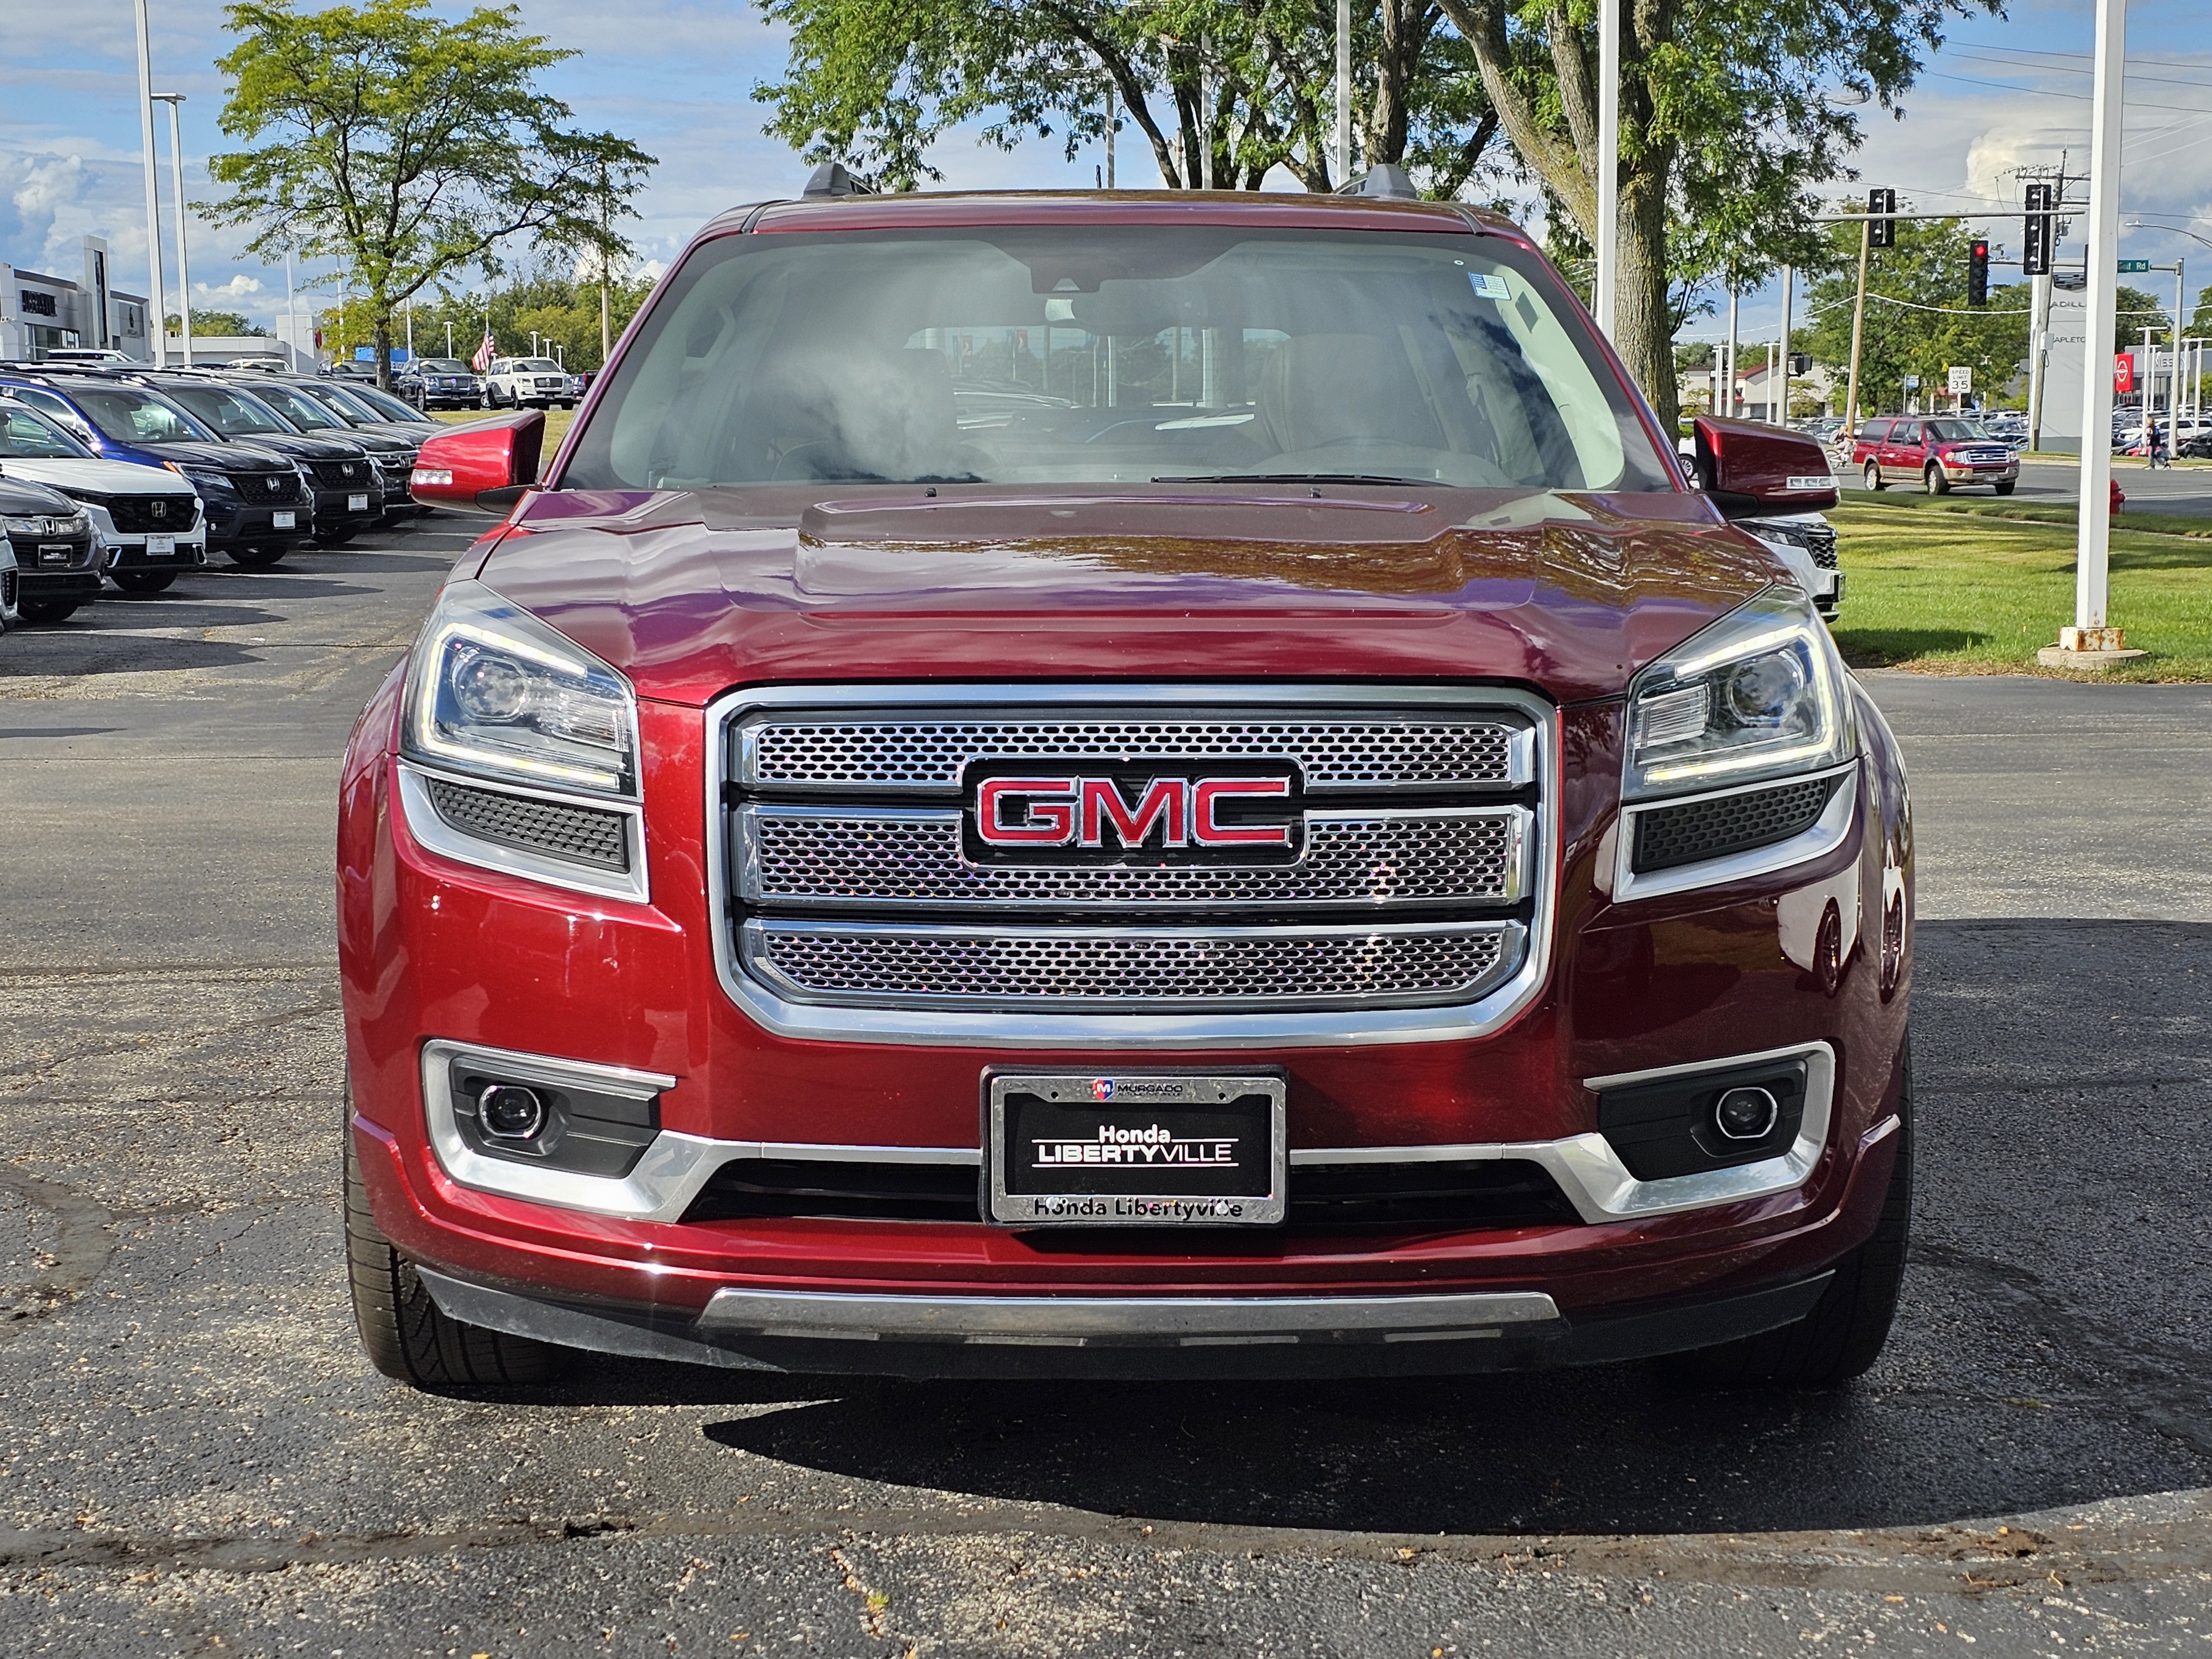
1872, 476
2007, 486
1937, 483
1845, 1332
260, 555
46, 611
144, 581
407, 1336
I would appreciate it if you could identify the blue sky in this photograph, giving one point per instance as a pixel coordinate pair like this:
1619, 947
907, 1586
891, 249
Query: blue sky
676, 76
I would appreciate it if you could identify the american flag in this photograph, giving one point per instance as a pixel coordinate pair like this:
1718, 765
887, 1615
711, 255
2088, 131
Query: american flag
485, 353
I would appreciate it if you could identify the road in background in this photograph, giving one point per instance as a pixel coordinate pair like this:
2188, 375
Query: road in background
2183, 489
195, 1459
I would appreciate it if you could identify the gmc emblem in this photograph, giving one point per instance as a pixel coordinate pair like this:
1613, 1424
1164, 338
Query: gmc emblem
1102, 818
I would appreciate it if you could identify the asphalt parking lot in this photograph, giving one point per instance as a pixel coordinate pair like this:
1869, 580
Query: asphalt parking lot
194, 1458
2183, 489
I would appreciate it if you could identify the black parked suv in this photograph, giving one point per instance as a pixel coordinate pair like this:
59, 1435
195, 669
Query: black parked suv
439, 383
57, 555
257, 502
328, 409
347, 485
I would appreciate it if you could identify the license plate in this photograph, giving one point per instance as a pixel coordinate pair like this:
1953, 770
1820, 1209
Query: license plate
283, 521
161, 547
357, 503
1135, 1149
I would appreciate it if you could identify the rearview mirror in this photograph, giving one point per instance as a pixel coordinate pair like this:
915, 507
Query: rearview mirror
486, 464
1754, 472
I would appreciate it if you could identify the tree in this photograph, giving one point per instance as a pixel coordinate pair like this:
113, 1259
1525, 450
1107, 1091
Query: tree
559, 308
407, 147
1725, 126
1221, 93
1918, 321
213, 324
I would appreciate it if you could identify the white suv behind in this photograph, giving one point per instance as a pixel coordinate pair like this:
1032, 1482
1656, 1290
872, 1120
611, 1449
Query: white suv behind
528, 382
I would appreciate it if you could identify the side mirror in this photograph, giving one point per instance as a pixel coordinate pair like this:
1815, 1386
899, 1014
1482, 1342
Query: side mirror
486, 464
1754, 472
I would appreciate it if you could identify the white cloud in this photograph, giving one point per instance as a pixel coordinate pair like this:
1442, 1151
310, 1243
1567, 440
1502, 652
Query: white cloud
240, 287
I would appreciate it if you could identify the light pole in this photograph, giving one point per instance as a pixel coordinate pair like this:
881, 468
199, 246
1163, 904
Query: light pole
159, 330
177, 182
1344, 91
1605, 289
2092, 642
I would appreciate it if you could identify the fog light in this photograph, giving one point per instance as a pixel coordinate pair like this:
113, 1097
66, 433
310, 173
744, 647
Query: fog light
1746, 1114
508, 1111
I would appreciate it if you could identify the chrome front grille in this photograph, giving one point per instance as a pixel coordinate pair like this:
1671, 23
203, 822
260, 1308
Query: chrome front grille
818, 856
850, 755
860, 899
1147, 969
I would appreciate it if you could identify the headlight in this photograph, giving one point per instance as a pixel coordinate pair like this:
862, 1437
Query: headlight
494, 690
78, 525
203, 479
1758, 694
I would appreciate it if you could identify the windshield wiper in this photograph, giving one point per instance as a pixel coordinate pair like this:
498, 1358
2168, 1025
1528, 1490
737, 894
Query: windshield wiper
1292, 478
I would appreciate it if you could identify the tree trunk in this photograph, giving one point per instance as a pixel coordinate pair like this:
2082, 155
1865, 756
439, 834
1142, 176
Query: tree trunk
1643, 312
384, 351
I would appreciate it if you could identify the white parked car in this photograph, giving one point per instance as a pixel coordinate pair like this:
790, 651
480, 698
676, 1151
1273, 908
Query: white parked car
1806, 543
147, 520
531, 382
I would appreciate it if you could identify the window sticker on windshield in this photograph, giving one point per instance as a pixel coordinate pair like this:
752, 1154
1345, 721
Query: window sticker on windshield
1489, 287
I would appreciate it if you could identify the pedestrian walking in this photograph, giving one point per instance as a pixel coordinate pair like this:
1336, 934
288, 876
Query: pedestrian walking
2155, 449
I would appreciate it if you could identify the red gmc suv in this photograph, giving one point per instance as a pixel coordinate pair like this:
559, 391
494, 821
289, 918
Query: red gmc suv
1123, 786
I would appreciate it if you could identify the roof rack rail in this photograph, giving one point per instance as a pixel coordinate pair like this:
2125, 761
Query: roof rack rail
1383, 180
831, 179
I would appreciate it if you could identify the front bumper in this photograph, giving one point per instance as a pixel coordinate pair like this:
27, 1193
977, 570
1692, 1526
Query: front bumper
229, 525
129, 553
1135, 1338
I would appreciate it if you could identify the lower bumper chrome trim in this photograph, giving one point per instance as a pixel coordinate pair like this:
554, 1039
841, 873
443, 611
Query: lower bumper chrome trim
1064, 1320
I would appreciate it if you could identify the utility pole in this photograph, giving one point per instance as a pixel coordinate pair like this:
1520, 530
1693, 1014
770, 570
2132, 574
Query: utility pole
1112, 120
1605, 289
2091, 642
1729, 393
1788, 305
1344, 91
449, 339
1858, 335
2039, 348
606, 332
160, 329
177, 183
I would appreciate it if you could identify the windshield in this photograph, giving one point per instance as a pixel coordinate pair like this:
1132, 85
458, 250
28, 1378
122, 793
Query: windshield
228, 412
345, 404
1119, 355
537, 366
26, 436
130, 416
443, 366
1957, 432
387, 408
303, 411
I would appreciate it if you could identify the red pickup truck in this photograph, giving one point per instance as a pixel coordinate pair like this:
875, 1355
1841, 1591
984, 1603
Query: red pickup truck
1123, 786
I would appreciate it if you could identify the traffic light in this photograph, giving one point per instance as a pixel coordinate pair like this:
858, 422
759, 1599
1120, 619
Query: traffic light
2035, 247
1801, 362
1978, 272
1881, 232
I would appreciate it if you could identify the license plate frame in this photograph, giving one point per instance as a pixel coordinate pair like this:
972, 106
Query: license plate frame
161, 547
357, 504
283, 521
1230, 1167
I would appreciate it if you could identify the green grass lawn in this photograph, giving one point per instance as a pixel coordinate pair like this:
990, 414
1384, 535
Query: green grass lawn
1977, 586
557, 422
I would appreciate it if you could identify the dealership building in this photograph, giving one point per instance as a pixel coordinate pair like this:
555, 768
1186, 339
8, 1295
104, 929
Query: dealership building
39, 313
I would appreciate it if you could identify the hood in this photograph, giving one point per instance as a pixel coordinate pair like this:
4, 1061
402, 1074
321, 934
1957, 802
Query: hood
97, 477
691, 595
303, 447
19, 494
219, 458
380, 442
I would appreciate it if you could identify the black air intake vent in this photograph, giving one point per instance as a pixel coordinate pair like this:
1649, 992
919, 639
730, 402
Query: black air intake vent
1698, 831
583, 835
